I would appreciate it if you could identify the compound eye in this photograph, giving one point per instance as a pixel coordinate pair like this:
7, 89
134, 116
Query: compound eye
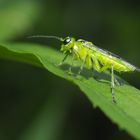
67, 40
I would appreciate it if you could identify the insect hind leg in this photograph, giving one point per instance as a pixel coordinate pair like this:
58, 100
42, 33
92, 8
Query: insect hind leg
112, 85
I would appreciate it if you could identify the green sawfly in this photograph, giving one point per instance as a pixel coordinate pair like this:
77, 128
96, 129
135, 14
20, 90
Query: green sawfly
93, 57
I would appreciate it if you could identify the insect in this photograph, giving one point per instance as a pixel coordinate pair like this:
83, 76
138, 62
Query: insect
93, 58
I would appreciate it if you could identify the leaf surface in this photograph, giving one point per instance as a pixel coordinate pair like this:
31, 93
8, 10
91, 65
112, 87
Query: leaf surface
125, 113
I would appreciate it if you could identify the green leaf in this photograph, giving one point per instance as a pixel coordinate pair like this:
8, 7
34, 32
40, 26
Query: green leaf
125, 113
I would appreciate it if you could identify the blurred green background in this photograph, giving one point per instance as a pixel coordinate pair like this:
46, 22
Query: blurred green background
35, 104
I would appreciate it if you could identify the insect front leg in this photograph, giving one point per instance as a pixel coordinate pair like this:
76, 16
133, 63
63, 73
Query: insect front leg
65, 57
112, 84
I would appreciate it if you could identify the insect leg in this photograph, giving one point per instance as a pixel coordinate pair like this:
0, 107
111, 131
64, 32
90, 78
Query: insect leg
95, 64
81, 68
112, 84
71, 65
104, 68
65, 57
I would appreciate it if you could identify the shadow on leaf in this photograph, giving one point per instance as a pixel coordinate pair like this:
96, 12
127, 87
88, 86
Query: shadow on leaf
87, 73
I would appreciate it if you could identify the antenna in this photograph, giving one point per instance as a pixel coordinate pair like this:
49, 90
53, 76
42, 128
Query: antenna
44, 36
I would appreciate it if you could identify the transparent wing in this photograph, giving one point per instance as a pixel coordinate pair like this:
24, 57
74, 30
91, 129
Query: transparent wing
90, 45
106, 52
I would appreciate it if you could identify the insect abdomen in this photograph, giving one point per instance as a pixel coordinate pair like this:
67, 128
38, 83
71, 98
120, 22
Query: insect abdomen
122, 68
117, 64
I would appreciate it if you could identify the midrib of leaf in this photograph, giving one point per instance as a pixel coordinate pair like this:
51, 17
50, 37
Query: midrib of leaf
125, 113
